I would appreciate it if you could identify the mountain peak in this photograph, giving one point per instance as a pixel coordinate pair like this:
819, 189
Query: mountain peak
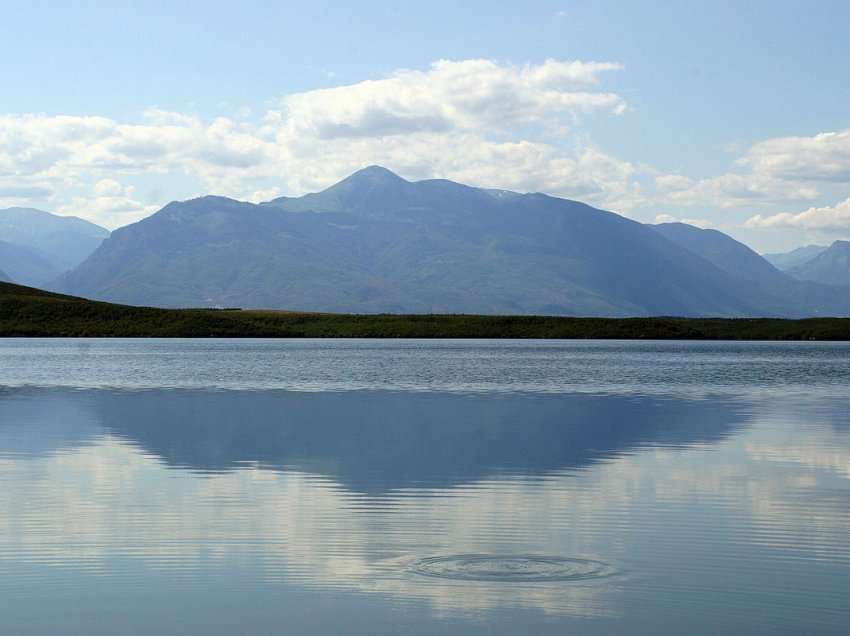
31, 217
376, 171
831, 266
37, 246
374, 175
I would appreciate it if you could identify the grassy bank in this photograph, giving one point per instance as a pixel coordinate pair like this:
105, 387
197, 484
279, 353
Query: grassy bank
31, 312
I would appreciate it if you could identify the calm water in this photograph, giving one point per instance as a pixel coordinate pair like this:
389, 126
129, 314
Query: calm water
363, 487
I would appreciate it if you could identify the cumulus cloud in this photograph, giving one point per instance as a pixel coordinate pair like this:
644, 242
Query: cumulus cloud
109, 187
22, 191
482, 121
16, 190
668, 218
109, 203
834, 218
51, 145
462, 95
822, 157
731, 190
773, 171
478, 121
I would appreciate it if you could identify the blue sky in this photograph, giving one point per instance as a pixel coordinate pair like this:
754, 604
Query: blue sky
732, 115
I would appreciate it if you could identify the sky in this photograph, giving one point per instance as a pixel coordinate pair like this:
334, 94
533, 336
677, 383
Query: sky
728, 115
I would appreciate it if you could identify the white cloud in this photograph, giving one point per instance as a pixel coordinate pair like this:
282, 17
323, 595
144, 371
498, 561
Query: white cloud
731, 190
834, 218
823, 157
476, 121
667, 218
108, 187
585, 173
23, 191
463, 95
773, 171
482, 121
109, 203
267, 194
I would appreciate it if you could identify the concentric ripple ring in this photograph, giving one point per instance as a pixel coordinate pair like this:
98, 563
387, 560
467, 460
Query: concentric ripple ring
511, 568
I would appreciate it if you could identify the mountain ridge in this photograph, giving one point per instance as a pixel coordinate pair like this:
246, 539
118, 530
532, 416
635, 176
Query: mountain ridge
788, 260
52, 243
721, 250
25, 265
376, 243
829, 267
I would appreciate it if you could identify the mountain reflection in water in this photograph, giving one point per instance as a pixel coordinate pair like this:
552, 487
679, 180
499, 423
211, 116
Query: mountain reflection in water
347, 492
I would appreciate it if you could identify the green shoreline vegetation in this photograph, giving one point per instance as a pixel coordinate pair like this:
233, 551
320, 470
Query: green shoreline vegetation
29, 312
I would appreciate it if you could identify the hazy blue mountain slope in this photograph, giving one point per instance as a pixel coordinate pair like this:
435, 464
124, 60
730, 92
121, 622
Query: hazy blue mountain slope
722, 250
64, 241
788, 260
26, 266
5, 277
830, 267
740, 261
377, 243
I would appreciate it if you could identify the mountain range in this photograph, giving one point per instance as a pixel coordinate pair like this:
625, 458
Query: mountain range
830, 266
378, 243
788, 260
36, 246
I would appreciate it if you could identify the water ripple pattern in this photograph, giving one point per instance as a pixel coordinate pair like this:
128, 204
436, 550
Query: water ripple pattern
511, 568
465, 366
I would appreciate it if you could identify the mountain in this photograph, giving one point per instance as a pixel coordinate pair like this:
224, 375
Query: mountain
830, 267
4, 277
723, 251
377, 243
788, 260
63, 241
26, 266
738, 260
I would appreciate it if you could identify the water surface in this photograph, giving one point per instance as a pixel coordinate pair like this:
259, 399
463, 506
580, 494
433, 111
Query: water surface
384, 487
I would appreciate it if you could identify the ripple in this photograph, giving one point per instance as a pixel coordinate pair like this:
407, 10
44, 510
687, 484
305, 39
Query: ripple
511, 568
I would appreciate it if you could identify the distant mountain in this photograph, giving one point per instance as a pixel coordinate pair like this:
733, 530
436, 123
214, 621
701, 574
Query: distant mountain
377, 243
723, 251
4, 277
740, 261
63, 241
26, 266
830, 267
788, 260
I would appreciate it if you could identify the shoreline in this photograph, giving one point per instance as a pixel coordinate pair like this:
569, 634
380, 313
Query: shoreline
29, 312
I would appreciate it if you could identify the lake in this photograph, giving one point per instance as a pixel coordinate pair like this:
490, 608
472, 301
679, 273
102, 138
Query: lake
423, 487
